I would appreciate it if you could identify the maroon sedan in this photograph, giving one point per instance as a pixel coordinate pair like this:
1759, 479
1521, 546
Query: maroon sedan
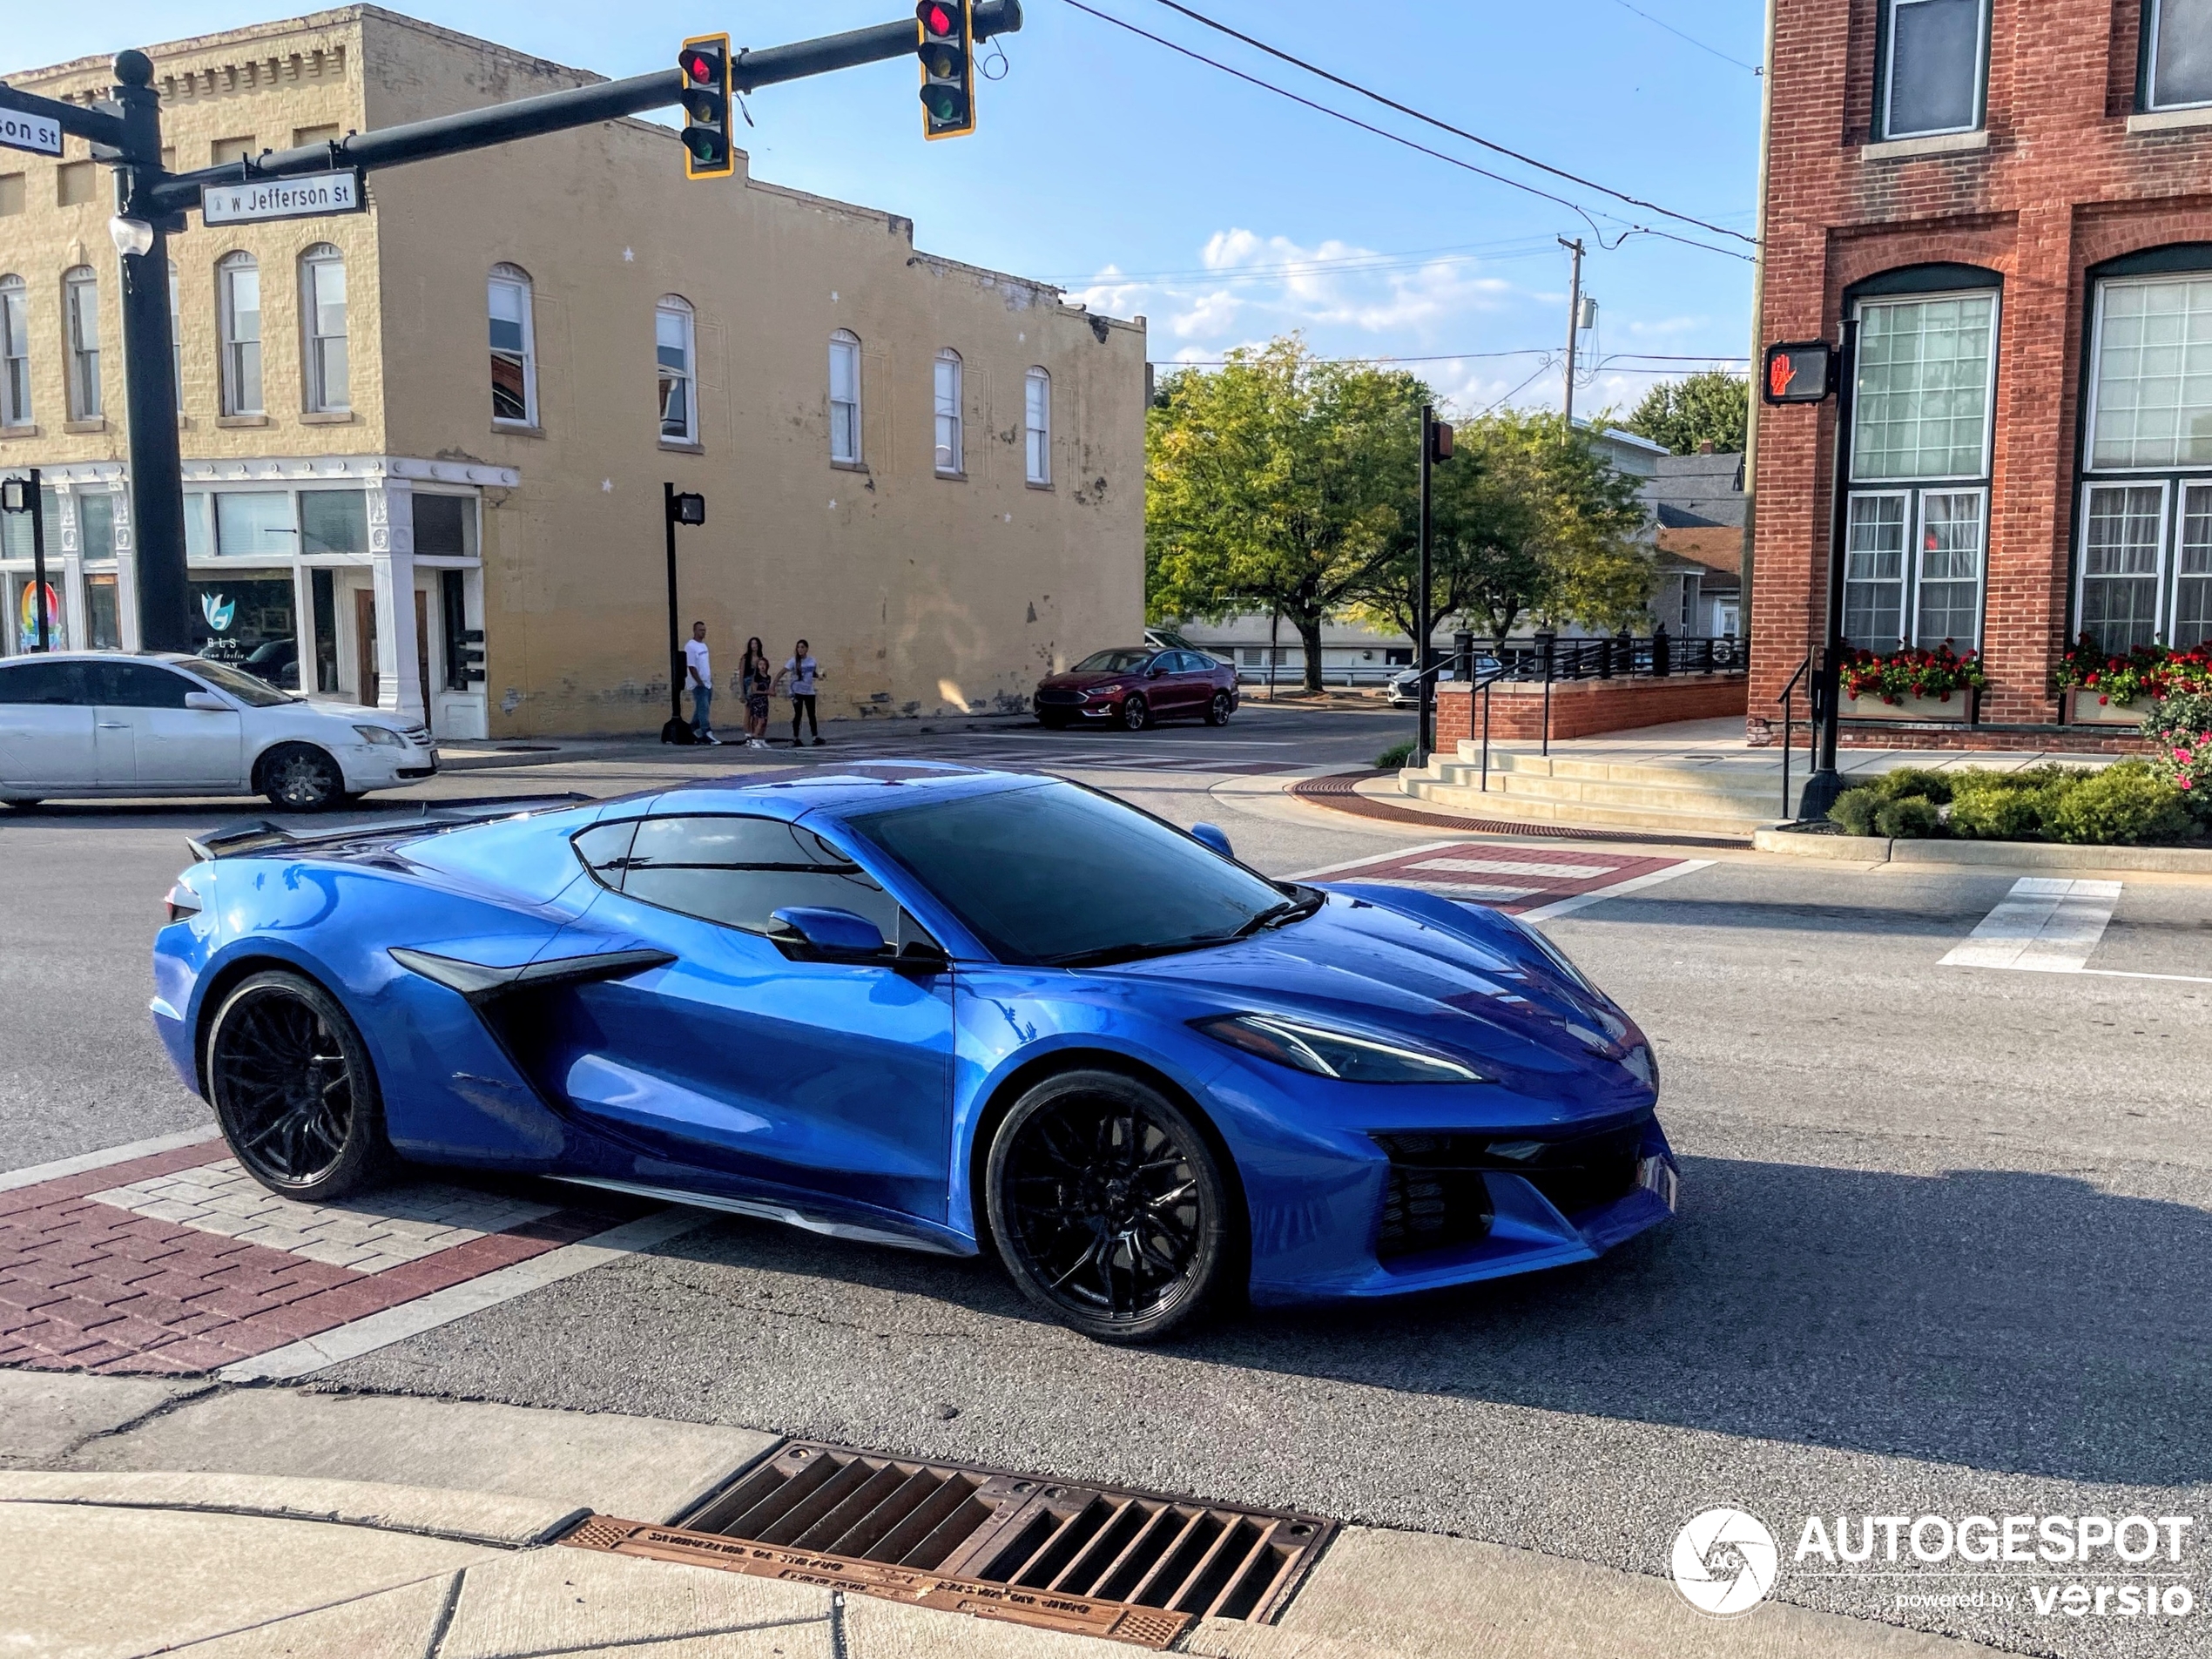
1137, 686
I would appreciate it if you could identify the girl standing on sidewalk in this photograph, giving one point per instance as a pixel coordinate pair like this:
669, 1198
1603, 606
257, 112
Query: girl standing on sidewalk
800, 672
754, 679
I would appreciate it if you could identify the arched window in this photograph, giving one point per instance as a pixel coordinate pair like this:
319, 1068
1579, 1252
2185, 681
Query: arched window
949, 458
322, 316
1037, 403
673, 350
844, 398
81, 319
514, 347
15, 352
238, 306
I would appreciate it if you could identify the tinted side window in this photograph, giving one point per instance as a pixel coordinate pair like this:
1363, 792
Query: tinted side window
44, 683
140, 685
604, 848
740, 871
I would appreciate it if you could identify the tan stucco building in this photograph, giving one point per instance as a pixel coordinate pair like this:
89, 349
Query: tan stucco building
456, 411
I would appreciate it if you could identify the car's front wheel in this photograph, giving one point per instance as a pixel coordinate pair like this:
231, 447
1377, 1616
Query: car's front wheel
301, 779
292, 1088
1218, 711
1136, 713
1108, 1206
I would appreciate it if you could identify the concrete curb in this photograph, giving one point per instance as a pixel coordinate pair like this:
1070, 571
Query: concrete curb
463, 1517
2010, 855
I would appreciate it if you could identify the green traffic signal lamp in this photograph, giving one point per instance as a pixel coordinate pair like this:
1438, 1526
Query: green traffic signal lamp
945, 41
705, 64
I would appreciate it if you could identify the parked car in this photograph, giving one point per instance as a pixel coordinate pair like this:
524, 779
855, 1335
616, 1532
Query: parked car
1136, 686
76, 724
963, 1012
1404, 690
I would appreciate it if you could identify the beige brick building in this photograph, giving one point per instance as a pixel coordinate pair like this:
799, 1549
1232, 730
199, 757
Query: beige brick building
456, 410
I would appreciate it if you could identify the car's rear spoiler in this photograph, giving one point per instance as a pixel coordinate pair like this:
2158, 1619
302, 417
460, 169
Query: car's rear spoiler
257, 835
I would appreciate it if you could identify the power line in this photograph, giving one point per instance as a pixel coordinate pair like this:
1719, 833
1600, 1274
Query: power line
1453, 253
1466, 357
1660, 23
1445, 127
1353, 120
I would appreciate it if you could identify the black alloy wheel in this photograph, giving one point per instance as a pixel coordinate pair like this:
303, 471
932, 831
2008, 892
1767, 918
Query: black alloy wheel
1136, 713
1218, 711
301, 778
292, 1088
1108, 1207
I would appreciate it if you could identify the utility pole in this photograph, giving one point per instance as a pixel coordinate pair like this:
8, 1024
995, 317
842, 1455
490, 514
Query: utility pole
1573, 320
1436, 445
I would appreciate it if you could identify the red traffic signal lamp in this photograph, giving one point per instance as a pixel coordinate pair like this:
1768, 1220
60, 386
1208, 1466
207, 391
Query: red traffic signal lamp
708, 152
1801, 371
946, 43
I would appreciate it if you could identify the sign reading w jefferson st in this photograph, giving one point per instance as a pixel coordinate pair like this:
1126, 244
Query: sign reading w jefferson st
40, 134
305, 197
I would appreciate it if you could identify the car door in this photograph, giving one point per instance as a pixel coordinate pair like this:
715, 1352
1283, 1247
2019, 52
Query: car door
49, 738
172, 746
1170, 690
831, 1080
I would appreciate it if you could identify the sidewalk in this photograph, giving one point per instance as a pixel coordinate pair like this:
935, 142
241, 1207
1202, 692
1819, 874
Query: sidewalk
250, 1523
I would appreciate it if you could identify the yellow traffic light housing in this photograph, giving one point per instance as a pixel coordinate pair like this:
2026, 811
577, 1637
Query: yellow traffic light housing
946, 45
708, 152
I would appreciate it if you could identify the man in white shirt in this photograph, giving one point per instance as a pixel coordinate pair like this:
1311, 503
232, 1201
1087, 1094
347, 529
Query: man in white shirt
800, 671
698, 675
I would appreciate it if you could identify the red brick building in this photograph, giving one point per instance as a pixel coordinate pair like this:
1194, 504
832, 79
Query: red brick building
2014, 200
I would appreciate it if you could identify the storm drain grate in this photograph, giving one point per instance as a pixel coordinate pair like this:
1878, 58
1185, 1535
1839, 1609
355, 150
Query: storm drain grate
1140, 1567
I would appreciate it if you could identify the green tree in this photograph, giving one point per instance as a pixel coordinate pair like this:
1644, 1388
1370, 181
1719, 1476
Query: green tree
1276, 482
1712, 407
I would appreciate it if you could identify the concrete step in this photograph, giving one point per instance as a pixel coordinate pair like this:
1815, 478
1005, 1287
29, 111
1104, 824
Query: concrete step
1656, 790
1497, 804
1721, 779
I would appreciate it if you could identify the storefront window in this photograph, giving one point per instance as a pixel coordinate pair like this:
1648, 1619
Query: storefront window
23, 610
254, 522
250, 621
96, 525
333, 520
445, 526
101, 613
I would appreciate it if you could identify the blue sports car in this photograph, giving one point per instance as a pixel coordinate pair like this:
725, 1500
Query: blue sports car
926, 1006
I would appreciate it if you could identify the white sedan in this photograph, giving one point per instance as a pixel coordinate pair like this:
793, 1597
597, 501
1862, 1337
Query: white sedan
101, 723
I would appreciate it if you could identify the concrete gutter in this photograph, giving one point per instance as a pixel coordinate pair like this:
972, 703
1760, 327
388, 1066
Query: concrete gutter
2010, 855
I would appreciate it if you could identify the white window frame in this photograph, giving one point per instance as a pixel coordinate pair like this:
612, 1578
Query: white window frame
949, 453
844, 341
1904, 570
1890, 9
315, 375
674, 305
2170, 596
1036, 416
2089, 402
1989, 391
237, 352
2162, 600
2150, 17
15, 349
514, 278
1917, 567
81, 292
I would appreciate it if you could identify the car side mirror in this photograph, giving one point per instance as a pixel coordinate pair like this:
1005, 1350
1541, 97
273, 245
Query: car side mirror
206, 703
827, 934
1212, 836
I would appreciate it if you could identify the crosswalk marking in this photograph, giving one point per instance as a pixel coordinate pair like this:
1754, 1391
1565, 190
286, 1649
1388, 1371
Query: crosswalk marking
1546, 884
2045, 925
1513, 867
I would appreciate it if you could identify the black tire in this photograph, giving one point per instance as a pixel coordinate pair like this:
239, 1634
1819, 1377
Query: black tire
1218, 711
291, 1083
1136, 713
1108, 1207
301, 777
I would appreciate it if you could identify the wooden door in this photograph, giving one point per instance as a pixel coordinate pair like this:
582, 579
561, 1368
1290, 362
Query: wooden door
365, 644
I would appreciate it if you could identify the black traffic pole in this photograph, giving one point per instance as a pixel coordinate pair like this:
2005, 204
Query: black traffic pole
1425, 729
675, 626
39, 556
1825, 783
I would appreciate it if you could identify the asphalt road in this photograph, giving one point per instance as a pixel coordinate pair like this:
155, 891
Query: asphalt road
1944, 1246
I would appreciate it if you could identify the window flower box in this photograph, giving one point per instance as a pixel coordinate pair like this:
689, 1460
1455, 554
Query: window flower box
2105, 689
1957, 706
2088, 707
1912, 684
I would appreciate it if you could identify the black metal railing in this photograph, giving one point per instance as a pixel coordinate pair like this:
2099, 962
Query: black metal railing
1622, 656
1789, 693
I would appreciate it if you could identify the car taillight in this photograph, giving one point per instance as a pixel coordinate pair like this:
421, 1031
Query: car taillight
181, 902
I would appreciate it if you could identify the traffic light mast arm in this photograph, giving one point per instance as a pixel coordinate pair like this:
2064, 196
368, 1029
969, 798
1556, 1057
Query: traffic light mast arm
528, 118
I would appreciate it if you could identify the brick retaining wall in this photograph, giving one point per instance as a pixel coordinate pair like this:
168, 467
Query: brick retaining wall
1584, 708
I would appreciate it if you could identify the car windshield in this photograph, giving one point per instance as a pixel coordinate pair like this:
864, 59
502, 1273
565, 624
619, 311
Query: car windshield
253, 692
1056, 874
1112, 662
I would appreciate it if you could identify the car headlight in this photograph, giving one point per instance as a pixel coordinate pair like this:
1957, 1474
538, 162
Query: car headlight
382, 735
1557, 957
1106, 690
1334, 1054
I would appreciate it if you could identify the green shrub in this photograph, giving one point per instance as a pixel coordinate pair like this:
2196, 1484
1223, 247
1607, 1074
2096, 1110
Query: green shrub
2178, 728
1998, 814
2120, 807
1854, 811
1399, 754
1913, 818
1908, 782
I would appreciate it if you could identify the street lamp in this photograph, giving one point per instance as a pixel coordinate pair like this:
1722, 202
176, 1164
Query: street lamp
133, 238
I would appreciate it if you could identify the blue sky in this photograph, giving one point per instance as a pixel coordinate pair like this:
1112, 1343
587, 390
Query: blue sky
1148, 184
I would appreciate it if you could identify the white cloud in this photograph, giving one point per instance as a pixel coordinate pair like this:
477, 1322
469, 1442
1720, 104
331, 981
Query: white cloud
1214, 315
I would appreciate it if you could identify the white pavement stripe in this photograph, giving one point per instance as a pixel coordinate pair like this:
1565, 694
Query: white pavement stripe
1514, 866
1467, 890
1619, 889
2045, 925
458, 1301
101, 1160
1371, 859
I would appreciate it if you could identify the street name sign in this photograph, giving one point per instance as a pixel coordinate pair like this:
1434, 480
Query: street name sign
308, 196
40, 134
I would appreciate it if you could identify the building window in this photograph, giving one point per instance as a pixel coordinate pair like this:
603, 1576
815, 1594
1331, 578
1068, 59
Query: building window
949, 455
254, 522
1932, 73
672, 358
844, 398
1037, 393
15, 352
323, 311
96, 526
333, 521
1916, 544
75, 184
238, 284
514, 350
2177, 46
81, 315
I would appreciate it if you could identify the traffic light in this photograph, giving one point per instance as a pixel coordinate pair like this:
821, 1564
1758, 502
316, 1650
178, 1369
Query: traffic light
946, 47
687, 508
1799, 372
708, 152
1439, 441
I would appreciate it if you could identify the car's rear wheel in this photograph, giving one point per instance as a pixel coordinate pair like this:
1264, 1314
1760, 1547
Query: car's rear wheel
1136, 713
301, 778
1218, 711
1108, 1206
292, 1086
